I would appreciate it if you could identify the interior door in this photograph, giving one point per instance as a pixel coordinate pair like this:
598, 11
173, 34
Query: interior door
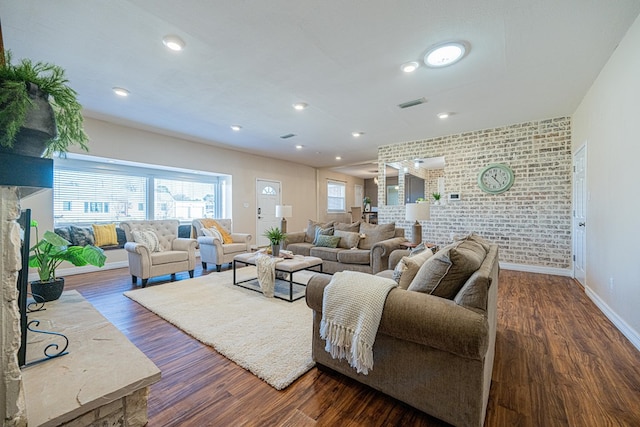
580, 215
267, 197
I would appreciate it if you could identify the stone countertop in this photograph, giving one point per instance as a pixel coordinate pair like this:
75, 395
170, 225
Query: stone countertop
101, 367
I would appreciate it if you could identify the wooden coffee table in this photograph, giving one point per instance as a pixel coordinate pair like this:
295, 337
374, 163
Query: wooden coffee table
290, 266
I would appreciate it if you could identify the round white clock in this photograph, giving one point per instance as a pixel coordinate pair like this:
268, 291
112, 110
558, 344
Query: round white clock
496, 178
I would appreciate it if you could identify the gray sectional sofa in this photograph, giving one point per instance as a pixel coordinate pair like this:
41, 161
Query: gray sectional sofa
358, 246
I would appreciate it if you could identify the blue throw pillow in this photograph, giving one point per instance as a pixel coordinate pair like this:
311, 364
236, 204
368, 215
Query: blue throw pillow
322, 232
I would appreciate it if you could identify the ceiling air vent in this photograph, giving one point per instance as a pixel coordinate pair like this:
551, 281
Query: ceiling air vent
289, 135
413, 103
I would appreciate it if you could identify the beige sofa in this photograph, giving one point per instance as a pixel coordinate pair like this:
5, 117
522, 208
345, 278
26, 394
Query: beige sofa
213, 250
368, 254
433, 353
173, 254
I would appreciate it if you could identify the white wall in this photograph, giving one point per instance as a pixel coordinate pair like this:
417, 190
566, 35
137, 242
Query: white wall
608, 121
124, 143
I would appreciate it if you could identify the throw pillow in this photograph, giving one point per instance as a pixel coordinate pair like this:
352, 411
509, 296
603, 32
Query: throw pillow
105, 234
147, 238
375, 233
473, 237
397, 272
321, 231
63, 232
348, 239
343, 226
212, 232
310, 233
81, 236
431, 273
445, 273
226, 237
420, 248
327, 241
411, 266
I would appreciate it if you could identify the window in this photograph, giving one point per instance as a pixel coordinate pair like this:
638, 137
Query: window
90, 191
336, 195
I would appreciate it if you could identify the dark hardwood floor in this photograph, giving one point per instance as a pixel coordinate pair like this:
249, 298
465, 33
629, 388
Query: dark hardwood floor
559, 362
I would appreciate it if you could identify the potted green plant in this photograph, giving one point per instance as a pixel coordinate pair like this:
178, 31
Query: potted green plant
275, 236
38, 106
436, 198
47, 254
367, 203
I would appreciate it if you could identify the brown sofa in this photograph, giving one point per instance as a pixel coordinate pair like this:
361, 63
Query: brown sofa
433, 353
368, 254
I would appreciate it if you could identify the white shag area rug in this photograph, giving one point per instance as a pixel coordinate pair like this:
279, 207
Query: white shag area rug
269, 337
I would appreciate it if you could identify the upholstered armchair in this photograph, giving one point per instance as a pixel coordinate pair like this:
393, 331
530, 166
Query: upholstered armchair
154, 249
212, 247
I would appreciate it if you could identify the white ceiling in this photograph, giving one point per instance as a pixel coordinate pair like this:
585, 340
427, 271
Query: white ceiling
247, 62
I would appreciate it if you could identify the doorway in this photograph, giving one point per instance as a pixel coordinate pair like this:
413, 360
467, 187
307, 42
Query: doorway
580, 214
268, 195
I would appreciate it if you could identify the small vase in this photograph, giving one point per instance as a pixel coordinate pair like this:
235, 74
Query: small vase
47, 291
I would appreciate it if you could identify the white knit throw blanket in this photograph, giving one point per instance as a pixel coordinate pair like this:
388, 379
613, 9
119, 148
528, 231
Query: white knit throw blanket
266, 266
351, 311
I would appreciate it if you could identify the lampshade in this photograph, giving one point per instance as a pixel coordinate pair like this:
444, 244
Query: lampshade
417, 211
284, 211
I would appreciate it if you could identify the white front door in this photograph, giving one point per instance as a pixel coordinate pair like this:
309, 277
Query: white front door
580, 215
267, 197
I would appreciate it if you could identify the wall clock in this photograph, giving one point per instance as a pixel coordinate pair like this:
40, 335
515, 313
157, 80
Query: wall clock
496, 178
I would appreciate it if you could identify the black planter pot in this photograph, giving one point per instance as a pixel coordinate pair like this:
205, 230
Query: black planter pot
47, 291
39, 126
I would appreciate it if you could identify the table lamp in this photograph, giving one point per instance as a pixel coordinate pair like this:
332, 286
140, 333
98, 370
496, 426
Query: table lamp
283, 211
417, 212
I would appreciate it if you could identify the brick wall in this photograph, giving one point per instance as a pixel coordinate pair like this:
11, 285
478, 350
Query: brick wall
532, 221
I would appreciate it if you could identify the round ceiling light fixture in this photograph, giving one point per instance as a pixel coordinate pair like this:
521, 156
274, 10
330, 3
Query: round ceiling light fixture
120, 91
236, 128
445, 54
443, 115
173, 42
410, 67
300, 105
299, 147
357, 134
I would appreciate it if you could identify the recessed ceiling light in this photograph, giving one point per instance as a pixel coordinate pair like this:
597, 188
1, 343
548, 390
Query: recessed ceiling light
338, 158
236, 127
300, 105
443, 115
173, 42
445, 54
120, 91
410, 67
357, 134
299, 147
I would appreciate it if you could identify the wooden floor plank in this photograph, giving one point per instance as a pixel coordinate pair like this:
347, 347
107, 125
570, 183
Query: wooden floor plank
559, 362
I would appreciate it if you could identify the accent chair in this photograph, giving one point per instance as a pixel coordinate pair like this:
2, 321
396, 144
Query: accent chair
166, 253
213, 249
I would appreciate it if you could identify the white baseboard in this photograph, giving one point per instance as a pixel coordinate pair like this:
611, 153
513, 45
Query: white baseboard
537, 269
631, 334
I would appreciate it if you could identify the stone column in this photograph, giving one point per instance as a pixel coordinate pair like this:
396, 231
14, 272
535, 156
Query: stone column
12, 406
